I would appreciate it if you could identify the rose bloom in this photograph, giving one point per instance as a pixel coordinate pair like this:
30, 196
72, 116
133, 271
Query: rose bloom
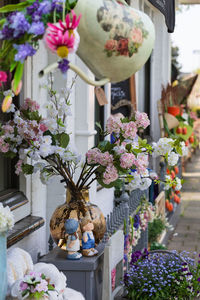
122, 47
137, 36
111, 45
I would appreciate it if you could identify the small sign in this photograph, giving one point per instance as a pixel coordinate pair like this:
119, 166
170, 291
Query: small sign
167, 8
101, 96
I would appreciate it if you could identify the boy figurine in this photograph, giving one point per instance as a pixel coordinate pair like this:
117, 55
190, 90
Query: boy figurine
88, 241
73, 243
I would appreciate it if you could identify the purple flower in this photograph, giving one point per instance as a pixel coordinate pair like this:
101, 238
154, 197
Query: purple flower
24, 50
23, 286
198, 279
45, 7
63, 65
19, 24
136, 221
37, 28
57, 4
6, 32
32, 8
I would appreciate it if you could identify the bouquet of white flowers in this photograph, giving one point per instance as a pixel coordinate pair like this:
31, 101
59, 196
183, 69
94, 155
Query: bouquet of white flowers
6, 218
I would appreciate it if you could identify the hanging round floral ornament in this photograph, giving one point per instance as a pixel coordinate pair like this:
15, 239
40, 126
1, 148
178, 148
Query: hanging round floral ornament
116, 39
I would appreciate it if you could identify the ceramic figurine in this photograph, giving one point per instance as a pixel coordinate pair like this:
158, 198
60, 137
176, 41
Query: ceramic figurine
73, 244
88, 241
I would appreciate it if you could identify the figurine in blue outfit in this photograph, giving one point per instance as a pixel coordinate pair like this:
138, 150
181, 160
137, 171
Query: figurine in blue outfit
73, 243
88, 241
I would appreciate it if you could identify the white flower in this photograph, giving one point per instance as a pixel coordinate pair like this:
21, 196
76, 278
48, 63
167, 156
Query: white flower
172, 158
46, 150
135, 183
162, 147
145, 173
47, 139
184, 149
145, 184
6, 218
38, 166
178, 184
11, 108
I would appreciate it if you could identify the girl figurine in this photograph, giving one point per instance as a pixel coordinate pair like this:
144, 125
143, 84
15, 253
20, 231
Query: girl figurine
73, 243
88, 241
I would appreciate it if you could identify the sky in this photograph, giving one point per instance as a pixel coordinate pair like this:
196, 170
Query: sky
187, 37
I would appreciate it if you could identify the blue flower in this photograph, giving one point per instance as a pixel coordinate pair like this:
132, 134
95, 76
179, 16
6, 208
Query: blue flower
24, 50
136, 221
37, 28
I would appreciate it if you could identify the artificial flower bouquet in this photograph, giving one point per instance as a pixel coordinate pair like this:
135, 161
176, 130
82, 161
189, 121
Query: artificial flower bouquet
33, 286
6, 218
47, 142
162, 275
22, 26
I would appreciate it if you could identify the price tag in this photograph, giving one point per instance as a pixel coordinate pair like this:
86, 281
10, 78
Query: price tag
101, 96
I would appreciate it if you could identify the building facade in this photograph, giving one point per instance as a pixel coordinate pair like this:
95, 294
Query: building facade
43, 199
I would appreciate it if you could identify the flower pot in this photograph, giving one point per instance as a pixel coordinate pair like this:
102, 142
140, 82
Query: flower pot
115, 39
3, 265
77, 209
174, 110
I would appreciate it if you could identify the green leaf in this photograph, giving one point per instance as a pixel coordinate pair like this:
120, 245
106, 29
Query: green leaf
18, 75
64, 140
13, 65
13, 7
27, 169
2, 21
10, 154
60, 123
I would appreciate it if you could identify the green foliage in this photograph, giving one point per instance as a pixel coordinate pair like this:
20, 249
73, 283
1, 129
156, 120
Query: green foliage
27, 169
14, 7
155, 229
18, 75
157, 246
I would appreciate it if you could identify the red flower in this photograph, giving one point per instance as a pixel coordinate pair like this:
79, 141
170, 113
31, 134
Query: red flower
122, 47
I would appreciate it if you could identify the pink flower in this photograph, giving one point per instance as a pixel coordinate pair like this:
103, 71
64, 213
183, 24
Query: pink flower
142, 120
4, 148
111, 45
3, 77
73, 23
23, 286
93, 156
130, 130
42, 286
43, 127
110, 174
7, 101
105, 158
30, 104
113, 277
113, 124
7, 129
141, 162
127, 160
137, 36
18, 89
60, 40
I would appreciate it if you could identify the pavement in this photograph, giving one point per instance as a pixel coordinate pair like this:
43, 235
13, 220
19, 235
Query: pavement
186, 235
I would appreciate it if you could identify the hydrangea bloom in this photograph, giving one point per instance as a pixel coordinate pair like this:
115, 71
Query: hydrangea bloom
142, 119
110, 174
127, 160
113, 124
129, 130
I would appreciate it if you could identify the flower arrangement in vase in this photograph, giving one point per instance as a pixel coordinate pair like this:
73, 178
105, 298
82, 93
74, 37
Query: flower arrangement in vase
46, 142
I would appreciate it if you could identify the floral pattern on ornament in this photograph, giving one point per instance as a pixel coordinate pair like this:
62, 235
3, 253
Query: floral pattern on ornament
124, 26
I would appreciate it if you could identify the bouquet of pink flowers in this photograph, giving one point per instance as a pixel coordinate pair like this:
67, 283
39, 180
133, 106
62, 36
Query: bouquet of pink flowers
34, 285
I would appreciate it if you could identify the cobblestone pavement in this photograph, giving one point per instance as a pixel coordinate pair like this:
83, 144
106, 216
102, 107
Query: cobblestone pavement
186, 235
